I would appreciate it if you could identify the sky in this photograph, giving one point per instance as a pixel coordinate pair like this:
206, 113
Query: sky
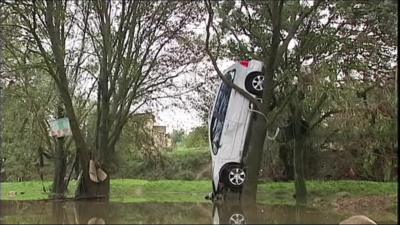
174, 117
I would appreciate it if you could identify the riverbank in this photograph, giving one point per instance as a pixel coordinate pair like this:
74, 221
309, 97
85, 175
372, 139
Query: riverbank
377, 199
135, 190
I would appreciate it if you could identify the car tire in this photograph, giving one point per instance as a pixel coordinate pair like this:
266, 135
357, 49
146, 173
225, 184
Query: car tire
254, 83
234, 177
237, 218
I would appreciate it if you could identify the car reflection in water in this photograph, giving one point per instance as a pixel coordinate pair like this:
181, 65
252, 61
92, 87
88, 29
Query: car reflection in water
228, 213
225, 212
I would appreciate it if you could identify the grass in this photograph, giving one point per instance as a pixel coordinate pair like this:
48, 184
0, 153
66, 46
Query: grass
183, 151
282, 192
135, 190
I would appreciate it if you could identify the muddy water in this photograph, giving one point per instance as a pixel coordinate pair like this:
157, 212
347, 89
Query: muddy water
95, 212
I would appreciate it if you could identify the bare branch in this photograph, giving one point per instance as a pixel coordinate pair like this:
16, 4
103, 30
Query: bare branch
326, 115
292, 31
214, 61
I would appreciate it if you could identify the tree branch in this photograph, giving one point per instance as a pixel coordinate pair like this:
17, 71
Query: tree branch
292, 32
214, 61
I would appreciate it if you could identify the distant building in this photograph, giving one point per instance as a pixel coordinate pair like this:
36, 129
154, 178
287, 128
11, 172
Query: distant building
146, 119
162, 139
158, 133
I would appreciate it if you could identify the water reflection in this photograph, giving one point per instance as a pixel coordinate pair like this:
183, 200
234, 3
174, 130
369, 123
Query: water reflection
235, 213
97, 212
228, 214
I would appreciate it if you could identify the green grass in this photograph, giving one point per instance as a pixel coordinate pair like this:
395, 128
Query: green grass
282, 192
332, 187
135, 190
183, 151
130, 190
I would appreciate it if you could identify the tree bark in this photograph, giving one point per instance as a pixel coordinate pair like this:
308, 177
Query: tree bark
252, 159
286, 155
300, 184
59, 183
1, 104
258, 132
77, 168
298, 155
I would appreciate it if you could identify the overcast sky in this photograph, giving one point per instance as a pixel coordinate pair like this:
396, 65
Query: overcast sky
174, 117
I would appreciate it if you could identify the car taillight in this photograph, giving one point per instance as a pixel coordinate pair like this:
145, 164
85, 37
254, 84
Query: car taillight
245, 63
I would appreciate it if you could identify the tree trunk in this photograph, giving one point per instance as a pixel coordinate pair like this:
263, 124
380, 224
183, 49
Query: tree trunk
86, 188
252, 160
258, 131
59, 183
103, 152
77, 167
1, 104
300, 184
298, 155
286, 155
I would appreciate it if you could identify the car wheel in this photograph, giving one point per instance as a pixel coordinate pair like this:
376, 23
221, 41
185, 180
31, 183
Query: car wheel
254, 83
235, 177
237, 218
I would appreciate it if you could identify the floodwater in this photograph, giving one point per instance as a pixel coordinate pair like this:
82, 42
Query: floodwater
97, 212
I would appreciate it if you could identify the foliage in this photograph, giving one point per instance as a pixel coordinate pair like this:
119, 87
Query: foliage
341, 63
26, 141
125, 52
181, 163
198, 137
177, 136
340, 57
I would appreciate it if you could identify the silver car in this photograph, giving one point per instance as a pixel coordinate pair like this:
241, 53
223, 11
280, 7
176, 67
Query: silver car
229, 122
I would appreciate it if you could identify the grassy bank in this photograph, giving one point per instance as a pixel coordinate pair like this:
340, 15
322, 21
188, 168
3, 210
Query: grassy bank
182, 163
134, 190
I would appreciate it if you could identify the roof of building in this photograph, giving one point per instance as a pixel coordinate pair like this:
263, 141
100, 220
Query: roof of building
149, 115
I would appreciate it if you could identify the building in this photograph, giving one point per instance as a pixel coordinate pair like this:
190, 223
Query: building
158, 133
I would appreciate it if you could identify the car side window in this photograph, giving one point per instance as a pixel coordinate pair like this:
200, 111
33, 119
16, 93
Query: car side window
219, 113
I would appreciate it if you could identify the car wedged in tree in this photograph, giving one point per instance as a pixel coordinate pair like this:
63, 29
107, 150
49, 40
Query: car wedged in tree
229, 122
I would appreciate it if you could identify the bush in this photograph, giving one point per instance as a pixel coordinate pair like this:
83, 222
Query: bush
180, 163
197, 138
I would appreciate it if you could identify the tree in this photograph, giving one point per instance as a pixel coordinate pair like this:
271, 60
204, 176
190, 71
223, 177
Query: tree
1, 92
146, 51
1, 98
133, 51
306, 76
340, 51
268, 37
